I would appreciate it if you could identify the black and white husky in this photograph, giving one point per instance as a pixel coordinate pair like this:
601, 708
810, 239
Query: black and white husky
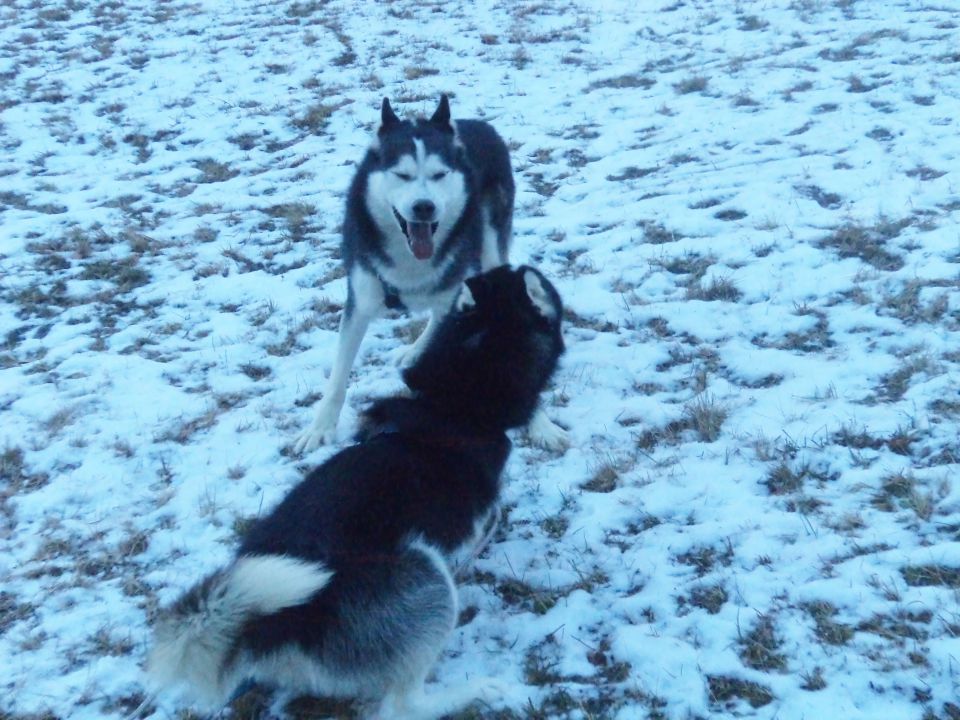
347, 587
430, 205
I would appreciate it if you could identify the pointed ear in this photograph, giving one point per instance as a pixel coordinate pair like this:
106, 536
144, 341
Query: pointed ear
442, 115
388, 118
539, 297
465, 299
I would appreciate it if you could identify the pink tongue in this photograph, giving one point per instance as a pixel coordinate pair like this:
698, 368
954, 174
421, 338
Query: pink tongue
421, 239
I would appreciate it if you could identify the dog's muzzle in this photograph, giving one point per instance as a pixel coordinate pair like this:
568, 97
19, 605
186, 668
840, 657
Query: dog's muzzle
419, 236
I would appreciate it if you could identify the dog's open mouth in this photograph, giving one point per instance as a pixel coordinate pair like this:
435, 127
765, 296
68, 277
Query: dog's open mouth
419, 236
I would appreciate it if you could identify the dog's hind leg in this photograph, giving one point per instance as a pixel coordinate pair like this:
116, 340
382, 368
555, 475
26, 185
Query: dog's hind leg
364, 302
432, 613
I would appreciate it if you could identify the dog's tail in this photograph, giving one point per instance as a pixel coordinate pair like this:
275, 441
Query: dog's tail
196, 635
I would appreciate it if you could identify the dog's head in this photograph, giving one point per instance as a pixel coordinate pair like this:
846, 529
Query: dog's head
491, 357
418, 185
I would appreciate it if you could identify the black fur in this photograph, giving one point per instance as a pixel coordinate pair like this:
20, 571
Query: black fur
425, 467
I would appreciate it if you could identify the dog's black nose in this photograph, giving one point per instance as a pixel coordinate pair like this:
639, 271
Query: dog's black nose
423, 210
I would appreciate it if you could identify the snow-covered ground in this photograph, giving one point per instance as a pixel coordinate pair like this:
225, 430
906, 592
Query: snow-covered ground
751, 211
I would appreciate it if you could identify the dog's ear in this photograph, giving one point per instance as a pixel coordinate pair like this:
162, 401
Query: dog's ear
388, 118
465, 300
539, 297
442, 115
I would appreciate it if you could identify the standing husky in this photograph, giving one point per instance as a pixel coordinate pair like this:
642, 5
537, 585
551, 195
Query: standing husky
431, 204
347, 587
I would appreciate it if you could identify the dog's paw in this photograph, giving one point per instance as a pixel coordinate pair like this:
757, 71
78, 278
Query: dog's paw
545, 433
323, 431
312, 438
405, 357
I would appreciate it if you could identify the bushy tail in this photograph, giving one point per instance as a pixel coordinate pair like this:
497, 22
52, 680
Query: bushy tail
193, 638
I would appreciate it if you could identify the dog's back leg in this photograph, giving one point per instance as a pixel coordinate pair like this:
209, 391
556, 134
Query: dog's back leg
405, 698
365, 299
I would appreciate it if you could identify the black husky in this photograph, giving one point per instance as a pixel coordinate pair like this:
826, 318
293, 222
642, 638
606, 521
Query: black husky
347, 587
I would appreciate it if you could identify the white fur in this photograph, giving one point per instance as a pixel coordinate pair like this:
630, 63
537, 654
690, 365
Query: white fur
387, 191
368, 303
538, 295
483, 529
190, 650
490, 256
465, 299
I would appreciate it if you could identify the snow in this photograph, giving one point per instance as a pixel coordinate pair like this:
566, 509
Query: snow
172, 178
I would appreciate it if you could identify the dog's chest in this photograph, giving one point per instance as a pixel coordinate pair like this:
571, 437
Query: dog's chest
418, 285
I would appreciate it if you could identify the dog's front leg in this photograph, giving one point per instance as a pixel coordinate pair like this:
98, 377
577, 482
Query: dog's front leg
411, 354
364, 302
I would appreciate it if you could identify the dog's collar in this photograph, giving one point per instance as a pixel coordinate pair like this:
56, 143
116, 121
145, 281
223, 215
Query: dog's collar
452, 442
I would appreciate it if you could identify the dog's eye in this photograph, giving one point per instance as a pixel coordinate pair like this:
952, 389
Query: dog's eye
439, 175
404, 176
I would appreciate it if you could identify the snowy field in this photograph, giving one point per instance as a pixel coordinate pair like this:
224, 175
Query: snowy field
751, 210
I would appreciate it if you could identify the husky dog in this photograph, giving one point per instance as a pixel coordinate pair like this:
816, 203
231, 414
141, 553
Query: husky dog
347, 587
430, 205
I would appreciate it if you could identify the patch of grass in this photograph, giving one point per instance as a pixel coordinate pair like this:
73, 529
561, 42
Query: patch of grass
415, 72
895, 491
125, 273
14, 475
104, 642
632, 173
749, 23
783, 480
709, 597
899, 626
760, 647
516, 592
692, 84
894, 385
868, 242
604, 480
908, 305
315, 118
657, 234
827, 200
630, 81
851, 436
540, 664
931, 576
295, 215
724, 689
555, 526
705, 203
703, 558
12, 610
813, 680
705, 415
213, 171
826, 629
922, 172
730, 214
718, 289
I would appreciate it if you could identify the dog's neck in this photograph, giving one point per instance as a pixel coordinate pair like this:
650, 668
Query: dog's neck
429, 425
